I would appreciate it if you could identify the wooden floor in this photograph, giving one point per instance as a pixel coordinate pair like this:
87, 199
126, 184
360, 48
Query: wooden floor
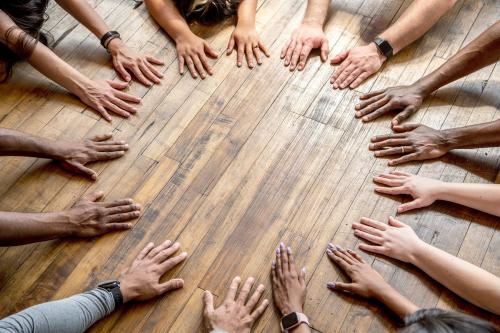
232, 165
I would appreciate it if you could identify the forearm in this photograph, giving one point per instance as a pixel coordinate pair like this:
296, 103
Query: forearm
302, 328
24, 228
466, 280
481, 52
15, 143
83, 12
246, 12
474, 136
398, 304
416, 20
70, 315
483, 197
168, 17
316, 12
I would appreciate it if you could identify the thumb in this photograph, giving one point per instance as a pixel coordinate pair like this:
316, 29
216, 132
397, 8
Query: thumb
211, 52
405, 128
93, 196
410, 205
396, 223
339, 57
324, 50
85, 171
117, 84
208, 301
171, 285
102, 137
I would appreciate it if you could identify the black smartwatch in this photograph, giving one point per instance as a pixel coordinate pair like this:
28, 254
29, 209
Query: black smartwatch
113, 286
384, 47
108, 37
293, 320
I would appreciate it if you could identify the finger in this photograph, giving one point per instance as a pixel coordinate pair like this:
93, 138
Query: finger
199, 66
364, 103
279, 268
284, 259
101, 137
291, 260
159, 248
124, 217
122, 71
80, 168
230, 46
191, 67
138, 73
112, 147
210, 52
405, 128
393, 182
340, 252
93, 196
344, 265
274, 275
369, 237
259, 311
367, 229
148, 73
391, 190
384, 137
104, 113
164, 250
123, 209
304, 53
233, 288
404, 159
144, 252
394, 151
392, 142
181, 64
373, 223
105, 156
257, 54
117, 84
349, 287
339, 71
372, 94
123, 105
360, 79
155, 60
372, 248
356, 256
403, 115
254, 299
325, 48
401, 173
116, 110
264, 49
285, 49
383, 110
172, 262
239, 55
302, 276
117, 203
295, 56
208, 301
289, 52
206, 64
126, 97
410, 205
117, 226
339, 57
171, 285
339, 82
347, 82
247, 286
372, 107
249, 55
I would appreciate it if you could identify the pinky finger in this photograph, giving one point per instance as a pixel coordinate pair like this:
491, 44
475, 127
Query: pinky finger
104, 113
404, 159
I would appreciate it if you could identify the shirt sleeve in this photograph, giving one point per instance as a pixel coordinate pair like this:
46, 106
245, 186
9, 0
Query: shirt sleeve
70, 315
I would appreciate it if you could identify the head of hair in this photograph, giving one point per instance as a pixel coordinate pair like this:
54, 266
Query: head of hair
207, 12
19, 42
441, 321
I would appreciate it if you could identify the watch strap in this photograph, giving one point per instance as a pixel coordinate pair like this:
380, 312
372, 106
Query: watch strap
113, 287
108, 37
301, 319
384, 47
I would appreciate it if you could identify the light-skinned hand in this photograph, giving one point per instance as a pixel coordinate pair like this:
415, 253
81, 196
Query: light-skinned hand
194, 52
247, 43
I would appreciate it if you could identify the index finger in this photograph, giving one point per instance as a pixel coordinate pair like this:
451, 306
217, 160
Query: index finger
233, 288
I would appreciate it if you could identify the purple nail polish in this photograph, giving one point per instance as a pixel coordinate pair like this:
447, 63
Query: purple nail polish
330, 285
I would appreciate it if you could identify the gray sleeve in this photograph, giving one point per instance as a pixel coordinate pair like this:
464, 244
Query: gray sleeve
69, 315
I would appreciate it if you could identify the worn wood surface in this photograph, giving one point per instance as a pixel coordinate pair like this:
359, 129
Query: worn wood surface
232, 165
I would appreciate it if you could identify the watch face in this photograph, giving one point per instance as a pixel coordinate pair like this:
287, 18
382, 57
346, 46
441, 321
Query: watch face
109, 284
290, 320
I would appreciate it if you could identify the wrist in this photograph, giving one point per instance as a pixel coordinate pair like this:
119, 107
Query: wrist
60, 221
452, 138
247, 23
374, 48
114, 46
313, 23
129, 292
291, 308
418, 253
183, 35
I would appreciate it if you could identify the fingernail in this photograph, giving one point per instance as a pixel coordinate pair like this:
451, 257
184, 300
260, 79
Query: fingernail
329, 251
289, 250
282, 245
273, 264
330, 285
184, 254
331, 246
303, 269
278, 250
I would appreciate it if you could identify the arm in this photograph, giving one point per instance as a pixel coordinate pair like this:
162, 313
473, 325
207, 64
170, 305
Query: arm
366, 282
245, 38
308, 36
87, 218
359, 63
481, 52
191, 50
425, 191
72, 315
397, 240
124, 58
73, 156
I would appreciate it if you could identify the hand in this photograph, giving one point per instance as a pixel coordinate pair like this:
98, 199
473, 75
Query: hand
235, 315
139, 64
248, 43
423, 190
303, 40
415, 142
406, 99
289, 286
90, 218
75, 155
356, 65
396, 240
105, 96
365, 281
141, 281
193, 51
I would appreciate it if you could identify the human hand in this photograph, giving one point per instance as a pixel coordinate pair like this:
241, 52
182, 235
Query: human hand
414, 142
305, 38
289, 285
356, 65
247, 42
365, 281
141, 281
90, 218
193, 51
423, 190
236, 314
406, 99
105, 95
127, 60
396, 240
75, 155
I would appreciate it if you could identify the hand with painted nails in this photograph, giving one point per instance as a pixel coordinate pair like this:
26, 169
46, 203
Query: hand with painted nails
106, 96
356, 65
423, 190
365, 281
247, 43
90, 218
414, 142
238, 313
126, 60
304, 39
396, 239
404, 99
73, 156
141, 281
289, 285
194, 52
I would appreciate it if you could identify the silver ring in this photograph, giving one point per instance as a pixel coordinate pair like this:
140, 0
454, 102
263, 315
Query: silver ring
402, 150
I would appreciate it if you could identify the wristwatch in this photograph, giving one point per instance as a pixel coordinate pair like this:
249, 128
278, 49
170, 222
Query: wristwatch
108, 37
293, 320
113, 286
384, 47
